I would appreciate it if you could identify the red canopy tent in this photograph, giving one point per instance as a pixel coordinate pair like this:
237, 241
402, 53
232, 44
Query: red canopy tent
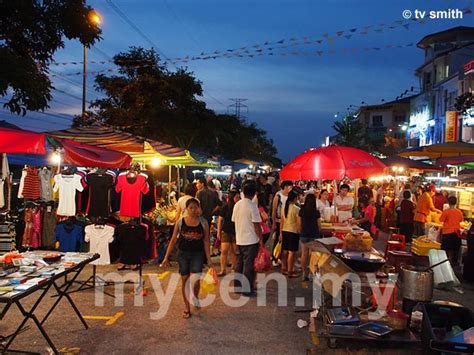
25, 142
332, 163
22, 142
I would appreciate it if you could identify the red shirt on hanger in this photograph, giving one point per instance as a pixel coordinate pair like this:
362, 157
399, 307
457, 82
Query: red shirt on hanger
131, 189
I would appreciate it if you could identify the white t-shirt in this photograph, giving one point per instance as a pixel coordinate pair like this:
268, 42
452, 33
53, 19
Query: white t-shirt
217, 184
281, 205
182, 204
320, 206
67, 186
338, 201
244, 216
100, 237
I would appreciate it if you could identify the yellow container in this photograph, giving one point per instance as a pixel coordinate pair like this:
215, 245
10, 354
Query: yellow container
422, 245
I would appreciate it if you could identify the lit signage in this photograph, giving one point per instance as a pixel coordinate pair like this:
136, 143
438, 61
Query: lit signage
469, 67
451, 126
468, 119
420, 120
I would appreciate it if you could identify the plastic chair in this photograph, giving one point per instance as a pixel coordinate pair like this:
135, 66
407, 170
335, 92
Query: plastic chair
395, 242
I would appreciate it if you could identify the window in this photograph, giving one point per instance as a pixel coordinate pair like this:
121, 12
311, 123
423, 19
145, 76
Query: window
377, 121
399, 118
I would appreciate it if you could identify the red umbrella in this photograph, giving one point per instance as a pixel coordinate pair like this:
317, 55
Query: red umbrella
332, 163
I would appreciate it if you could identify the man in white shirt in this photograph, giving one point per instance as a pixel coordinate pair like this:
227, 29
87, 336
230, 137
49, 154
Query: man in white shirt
344, 203
248, 235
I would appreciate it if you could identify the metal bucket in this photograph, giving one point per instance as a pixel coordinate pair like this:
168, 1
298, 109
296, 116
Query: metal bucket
417, 285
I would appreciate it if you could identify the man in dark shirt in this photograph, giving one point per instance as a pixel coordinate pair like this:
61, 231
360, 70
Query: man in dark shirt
208, 199
364, 191
265, 188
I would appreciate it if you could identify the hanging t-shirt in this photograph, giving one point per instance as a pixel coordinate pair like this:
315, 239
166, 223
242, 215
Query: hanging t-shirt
69, 236
31, 185
67, 185
132, 241
2, 193
99, 238
131, 190
99, 194
45, 176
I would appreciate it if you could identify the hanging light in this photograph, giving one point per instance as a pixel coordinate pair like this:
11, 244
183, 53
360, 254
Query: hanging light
55, 158
156, 162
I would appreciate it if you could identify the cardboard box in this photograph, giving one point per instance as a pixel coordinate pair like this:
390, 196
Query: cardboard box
331, 269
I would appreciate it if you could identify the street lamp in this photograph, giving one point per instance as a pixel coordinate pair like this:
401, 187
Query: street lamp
94, 19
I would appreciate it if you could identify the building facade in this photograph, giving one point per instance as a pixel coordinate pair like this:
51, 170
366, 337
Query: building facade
386, 124
440, 77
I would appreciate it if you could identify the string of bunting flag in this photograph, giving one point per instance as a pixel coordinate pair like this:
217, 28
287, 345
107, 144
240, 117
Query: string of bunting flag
330, 38
272, 48
258, 53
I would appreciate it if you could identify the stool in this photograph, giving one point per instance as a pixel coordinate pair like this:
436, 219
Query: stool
393, 230
395, 242
399, 258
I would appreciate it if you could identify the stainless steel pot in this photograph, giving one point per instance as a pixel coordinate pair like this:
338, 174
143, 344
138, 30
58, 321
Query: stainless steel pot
417, 284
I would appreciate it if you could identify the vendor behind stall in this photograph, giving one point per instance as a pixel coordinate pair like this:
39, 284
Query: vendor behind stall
451, 219
344, 203
424, 206
367, 218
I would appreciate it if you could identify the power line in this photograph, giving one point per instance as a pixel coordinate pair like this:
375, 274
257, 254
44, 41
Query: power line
75, 83
148, 40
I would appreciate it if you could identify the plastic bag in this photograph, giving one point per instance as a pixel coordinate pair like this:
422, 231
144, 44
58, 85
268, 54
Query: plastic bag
262, 262
209, 282
277, 250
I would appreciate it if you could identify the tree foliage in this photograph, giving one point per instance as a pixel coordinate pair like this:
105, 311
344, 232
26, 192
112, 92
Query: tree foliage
351, 133
31, 31
464, 102
147, 99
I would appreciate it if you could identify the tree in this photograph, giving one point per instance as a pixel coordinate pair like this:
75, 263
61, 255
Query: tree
351, 133
147, 99
30, 33
464, 102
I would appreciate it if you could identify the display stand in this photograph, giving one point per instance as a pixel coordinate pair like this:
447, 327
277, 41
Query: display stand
94, 281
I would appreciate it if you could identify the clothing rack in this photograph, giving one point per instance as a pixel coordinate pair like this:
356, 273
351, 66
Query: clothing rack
7, 237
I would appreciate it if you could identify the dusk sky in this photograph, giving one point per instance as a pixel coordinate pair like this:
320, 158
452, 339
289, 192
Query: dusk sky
293, 97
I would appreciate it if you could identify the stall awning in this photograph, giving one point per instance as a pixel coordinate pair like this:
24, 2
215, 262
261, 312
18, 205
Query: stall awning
141, 149
462, 160
82, 154
28, 147
409, 164
14, 141
434, 151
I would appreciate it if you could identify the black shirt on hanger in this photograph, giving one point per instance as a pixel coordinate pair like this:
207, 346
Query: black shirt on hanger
99, 194
132, 240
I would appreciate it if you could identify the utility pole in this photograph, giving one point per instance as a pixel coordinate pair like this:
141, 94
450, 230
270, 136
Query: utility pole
237, 107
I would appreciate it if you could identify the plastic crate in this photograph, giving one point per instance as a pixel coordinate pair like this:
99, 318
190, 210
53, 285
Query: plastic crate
436, 316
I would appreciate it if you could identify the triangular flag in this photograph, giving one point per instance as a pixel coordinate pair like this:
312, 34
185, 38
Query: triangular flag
266, 43
410, 45
377, 48
319, 41
467, 10
353, 29
281, 41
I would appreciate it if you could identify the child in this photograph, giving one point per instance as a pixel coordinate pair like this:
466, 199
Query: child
451, 219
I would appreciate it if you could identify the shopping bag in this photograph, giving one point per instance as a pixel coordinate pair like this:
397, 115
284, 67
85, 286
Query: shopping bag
217, 243
277, 250
262, 262
209, 282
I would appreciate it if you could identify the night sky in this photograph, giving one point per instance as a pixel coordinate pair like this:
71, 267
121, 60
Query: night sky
295, 96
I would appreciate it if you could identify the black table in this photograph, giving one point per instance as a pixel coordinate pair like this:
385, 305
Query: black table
69, 275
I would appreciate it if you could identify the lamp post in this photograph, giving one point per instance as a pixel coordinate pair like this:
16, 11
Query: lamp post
94, 19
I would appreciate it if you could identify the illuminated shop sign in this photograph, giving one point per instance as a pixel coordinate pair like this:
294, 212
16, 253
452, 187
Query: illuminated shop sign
420, 120
469, 67
468, 119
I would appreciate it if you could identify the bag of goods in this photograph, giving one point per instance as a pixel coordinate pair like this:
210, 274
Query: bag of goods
277, 250
357, 242
209, 282
262, 262
433, 217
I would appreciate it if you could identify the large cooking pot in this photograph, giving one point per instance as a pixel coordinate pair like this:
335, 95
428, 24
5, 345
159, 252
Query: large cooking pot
417, 283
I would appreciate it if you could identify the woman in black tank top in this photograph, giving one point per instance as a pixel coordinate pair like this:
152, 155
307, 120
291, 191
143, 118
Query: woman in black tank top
192, 234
